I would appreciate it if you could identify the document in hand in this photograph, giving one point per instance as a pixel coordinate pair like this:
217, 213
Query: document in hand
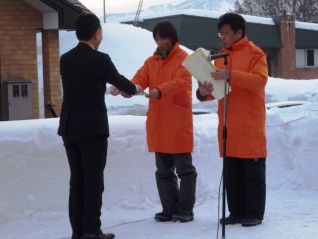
201, 68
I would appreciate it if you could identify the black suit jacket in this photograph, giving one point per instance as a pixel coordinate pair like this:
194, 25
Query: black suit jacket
85, 72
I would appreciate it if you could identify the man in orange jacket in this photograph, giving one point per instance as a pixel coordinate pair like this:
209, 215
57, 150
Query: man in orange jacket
169, 123
246, 139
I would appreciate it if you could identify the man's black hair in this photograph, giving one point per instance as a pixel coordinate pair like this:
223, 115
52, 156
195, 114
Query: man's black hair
236, 22
86, 25
166, 30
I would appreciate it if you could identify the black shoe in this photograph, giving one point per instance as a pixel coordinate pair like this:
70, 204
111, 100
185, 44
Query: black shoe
250, 222
99, 236
230, 220
182, 217
162, 217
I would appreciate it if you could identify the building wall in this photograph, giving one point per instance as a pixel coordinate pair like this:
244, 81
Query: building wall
51, 71
287, 55
278, 41
18, 25
272, 61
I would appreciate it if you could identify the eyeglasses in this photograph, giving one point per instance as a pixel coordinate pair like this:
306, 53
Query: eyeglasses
223, 34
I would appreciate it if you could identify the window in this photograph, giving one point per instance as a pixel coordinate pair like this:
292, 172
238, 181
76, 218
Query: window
24, 90
307, 58
16, 91
310, 58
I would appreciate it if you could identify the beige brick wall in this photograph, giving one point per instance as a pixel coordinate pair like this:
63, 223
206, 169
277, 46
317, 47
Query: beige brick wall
18, 25
51, 72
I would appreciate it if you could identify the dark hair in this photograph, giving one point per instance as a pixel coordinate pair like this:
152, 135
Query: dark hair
165, 30
236, 22
86, 25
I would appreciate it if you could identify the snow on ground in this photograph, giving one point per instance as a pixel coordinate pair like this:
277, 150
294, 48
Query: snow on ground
34, 169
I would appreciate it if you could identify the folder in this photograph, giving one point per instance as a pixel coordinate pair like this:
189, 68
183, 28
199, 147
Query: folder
201, 68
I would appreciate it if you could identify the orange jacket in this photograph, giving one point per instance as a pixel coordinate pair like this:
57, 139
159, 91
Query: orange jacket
169, 119
246, 102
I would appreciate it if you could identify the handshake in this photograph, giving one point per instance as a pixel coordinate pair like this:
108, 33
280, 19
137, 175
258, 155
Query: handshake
153, 94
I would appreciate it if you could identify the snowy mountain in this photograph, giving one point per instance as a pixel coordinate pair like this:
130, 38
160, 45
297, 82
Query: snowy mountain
219, 5
199, 4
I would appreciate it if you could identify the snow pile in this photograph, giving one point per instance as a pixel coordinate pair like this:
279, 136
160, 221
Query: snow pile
35, 172
291, 90
292, 147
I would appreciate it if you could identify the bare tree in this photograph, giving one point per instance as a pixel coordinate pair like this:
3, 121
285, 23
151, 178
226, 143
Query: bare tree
304, 10
238, 7
247, 7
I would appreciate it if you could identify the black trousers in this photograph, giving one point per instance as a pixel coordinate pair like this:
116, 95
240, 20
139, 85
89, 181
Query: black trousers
246, 187
175, 199
87, 160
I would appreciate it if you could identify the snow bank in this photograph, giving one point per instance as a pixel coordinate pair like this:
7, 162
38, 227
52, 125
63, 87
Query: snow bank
35, 173
278, 89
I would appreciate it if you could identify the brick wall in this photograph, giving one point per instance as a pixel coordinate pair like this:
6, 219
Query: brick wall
51, 73
18, 24
287, 55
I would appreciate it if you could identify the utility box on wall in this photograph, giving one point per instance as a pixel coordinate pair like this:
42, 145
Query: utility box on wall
17, 100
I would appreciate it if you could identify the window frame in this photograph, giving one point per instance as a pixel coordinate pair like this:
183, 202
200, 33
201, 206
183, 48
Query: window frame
302, 58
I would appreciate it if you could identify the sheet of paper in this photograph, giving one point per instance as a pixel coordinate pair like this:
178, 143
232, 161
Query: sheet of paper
201, 68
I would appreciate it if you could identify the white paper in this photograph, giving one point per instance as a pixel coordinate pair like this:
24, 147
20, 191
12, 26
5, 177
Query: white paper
201, 68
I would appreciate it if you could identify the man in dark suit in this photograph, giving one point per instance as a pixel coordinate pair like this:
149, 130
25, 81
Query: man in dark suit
84, 125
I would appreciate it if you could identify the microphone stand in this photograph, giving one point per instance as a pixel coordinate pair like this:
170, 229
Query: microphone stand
224, 137
224, 131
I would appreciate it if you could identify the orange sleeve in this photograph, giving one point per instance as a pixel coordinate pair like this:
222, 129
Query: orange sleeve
141, 78
253, 80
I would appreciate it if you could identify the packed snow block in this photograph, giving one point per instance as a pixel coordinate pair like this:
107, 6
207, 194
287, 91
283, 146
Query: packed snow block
292, 147
35, 173
32, 167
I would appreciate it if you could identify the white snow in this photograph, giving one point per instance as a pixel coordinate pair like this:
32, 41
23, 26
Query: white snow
34, 183
214, 5
198, 13
35, 174
306, 25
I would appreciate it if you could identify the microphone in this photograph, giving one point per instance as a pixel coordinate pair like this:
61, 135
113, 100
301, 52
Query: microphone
217, 56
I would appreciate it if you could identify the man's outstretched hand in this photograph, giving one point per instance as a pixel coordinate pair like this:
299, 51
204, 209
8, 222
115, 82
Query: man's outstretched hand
154, 94
205, 88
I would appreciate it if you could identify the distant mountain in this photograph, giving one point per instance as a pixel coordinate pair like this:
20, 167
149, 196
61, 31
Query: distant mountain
215, 5
198, 4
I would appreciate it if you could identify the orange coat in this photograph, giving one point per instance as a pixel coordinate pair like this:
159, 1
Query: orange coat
246, 102
169, 119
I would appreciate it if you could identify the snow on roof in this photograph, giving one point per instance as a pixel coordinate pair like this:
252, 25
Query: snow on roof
205, 13
217, 14
306, 25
